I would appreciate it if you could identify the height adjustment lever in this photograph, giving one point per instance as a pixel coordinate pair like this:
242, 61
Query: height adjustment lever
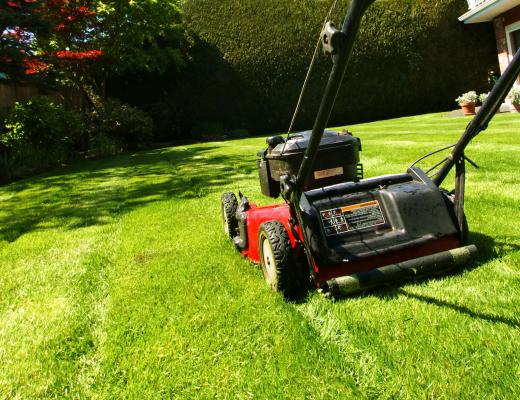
332, 39
473, 163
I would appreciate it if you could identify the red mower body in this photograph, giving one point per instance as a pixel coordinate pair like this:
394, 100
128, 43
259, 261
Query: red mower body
256, 216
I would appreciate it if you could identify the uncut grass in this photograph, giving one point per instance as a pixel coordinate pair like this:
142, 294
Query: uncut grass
117, 281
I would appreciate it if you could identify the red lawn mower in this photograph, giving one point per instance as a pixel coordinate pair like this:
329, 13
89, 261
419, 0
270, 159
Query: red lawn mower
343, 233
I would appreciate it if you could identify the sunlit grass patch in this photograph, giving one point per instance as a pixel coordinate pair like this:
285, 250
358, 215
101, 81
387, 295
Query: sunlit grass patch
117, 281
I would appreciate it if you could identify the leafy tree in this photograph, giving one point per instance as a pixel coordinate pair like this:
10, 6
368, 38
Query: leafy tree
141, 35
46, 36
19, 21
60, 39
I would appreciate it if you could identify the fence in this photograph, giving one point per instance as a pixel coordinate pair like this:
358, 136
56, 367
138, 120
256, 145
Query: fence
11, 93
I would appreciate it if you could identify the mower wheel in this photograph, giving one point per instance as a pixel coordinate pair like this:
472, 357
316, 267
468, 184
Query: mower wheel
229, 204
276, 259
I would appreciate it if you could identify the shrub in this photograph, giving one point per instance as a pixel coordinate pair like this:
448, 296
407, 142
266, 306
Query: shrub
117, 126
514, 95
5, 159
39, 133
100, 145
237, 134
248, 70
207, 130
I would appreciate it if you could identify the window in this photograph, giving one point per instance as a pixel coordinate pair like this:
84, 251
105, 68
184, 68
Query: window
515, 41
513, 38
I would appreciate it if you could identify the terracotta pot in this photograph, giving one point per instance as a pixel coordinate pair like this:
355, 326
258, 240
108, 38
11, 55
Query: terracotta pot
515, 108
468, 109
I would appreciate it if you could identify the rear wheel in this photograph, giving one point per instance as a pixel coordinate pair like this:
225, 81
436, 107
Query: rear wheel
276, 258
228, 208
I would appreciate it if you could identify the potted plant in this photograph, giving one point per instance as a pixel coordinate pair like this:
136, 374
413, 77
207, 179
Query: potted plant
483, 97
467, 102
514, 97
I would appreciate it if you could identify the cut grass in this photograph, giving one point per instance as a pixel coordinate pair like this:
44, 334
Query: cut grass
117, 281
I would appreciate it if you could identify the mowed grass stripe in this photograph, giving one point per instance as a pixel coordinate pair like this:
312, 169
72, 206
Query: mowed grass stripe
193, 345
117, 281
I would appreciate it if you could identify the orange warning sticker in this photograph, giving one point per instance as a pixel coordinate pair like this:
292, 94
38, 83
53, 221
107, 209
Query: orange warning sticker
361, 205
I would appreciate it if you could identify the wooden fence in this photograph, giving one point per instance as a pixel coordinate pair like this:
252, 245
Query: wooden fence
11, 93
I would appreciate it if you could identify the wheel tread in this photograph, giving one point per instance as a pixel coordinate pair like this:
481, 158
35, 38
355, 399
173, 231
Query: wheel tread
229, 205
275, 232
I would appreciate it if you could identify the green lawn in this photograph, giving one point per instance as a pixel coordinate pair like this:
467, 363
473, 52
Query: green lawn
116, 280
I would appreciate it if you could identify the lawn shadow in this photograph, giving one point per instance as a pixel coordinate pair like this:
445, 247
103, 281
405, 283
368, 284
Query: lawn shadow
486, 251
95, 192
489, 249
461, 309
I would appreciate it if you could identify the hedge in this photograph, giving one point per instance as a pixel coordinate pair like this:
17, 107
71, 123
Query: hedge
248, 60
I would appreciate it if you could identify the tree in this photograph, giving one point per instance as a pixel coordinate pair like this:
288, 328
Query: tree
47, 37
141, 35
58, 39
52, 42
19, 21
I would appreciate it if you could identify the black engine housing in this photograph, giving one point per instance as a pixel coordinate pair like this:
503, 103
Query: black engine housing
337, 160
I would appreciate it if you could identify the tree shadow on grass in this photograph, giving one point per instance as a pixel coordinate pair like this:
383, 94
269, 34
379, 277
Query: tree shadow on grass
94, 192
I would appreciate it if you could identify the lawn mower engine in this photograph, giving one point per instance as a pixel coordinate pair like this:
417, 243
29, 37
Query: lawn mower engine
337, 160
343, 233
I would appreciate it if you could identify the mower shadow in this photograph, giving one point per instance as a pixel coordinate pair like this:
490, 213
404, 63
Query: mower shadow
97, 191
461, 309
489, 249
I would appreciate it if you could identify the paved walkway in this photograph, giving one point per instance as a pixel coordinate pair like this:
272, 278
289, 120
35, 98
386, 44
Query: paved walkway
504, 108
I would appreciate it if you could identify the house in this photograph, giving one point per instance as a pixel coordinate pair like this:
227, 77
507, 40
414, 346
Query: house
505, 15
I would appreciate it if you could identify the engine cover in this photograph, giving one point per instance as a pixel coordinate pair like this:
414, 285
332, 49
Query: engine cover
375, 218
337, 160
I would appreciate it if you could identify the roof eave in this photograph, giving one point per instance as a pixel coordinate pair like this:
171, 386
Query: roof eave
487, 11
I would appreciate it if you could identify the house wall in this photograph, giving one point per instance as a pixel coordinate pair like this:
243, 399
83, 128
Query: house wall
500, 23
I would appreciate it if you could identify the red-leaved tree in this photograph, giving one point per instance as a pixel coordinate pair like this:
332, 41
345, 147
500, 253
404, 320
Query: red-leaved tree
48, 39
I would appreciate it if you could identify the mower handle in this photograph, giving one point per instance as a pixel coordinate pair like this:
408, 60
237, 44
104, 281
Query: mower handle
338, 43
480, 122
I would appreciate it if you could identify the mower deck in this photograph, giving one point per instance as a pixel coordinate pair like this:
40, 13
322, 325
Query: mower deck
358, 227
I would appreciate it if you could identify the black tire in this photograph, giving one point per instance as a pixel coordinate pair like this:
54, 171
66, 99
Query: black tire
228, 208
449, 200
277, 259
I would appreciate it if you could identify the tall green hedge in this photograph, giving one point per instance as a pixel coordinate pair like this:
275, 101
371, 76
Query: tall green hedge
412, 56
248, 59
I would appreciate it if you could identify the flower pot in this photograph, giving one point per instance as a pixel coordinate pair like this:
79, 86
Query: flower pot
468, 109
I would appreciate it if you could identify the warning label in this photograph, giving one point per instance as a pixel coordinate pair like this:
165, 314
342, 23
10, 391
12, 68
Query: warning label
350, 218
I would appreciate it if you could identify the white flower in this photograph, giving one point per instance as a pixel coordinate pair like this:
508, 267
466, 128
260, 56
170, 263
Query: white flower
467, 98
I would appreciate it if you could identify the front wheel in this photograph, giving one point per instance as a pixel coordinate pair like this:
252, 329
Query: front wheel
277, 259
228, 208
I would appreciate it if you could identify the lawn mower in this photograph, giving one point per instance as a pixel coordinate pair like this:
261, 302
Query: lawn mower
343, 233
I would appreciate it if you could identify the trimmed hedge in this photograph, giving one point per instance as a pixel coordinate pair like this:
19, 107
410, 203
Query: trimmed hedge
248, 59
